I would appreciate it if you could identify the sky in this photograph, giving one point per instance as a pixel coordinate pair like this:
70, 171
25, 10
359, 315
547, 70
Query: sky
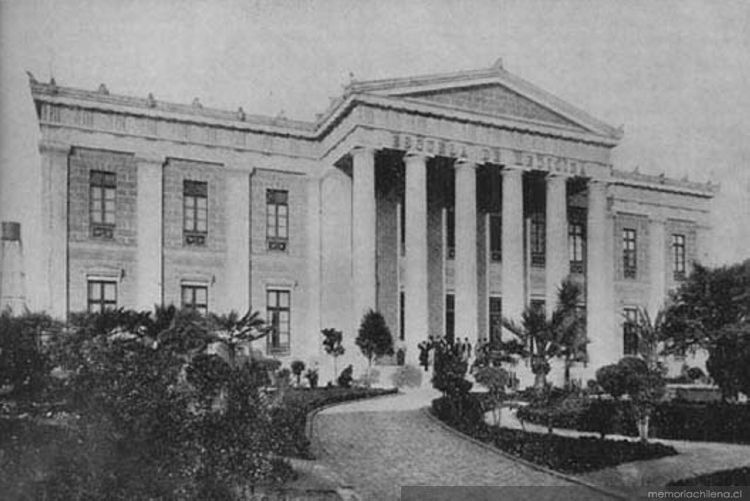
675, 74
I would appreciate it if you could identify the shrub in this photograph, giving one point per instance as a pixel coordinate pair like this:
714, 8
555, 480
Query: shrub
465, 412
374, 338
407, 376
23, 366
345, 378
298, 366
312, 377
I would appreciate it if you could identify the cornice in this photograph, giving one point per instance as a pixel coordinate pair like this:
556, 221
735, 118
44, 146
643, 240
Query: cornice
663, 183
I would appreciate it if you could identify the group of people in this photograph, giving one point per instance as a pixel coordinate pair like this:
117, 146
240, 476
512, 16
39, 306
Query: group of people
427, 349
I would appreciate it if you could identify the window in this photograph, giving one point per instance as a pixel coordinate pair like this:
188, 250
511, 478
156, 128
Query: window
537, 238
195, 212
277, 219
402, 226
102, 295
102, 188
401, 316
450, 317
575, 247
496, 237
496, 319
629, 264
629, 334
195, 297
450, 232
278, 315
678, 256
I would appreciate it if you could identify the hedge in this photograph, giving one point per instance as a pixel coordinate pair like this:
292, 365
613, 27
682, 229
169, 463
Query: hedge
714, 422
566, 454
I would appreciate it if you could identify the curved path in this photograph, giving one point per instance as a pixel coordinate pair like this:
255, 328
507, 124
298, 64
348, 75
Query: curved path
379, 445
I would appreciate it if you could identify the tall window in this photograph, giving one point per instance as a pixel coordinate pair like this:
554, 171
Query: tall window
102, 295
278, 310
102, 188
277, 219
401, 316
575, 246
678, 256
195, 212
629, 334
195, 297
629, 263
537, 238
496, 319
450, 232
496, 237
450, 317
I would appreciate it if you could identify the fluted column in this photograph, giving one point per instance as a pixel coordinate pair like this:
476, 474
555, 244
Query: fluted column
363, 230
416, 313
657, 265
513, 289
557, 261
149, 271
466, 251
605, 346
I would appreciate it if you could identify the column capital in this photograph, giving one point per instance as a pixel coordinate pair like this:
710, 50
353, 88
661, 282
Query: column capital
412, 155
54, 147
363, 150
511, 171
465, 162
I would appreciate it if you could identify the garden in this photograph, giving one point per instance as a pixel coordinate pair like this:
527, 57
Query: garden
170, 404
710, 311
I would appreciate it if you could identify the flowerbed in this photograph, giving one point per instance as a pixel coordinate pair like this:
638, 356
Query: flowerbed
717, 422
565, 454
737, 477
290, 418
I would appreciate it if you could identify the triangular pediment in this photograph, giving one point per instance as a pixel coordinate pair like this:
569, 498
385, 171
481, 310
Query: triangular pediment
491, 92
492, 99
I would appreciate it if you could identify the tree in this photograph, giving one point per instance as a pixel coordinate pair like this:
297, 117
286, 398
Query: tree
644, 386
374, 338
649, 333
298, 366
711, 311
234, 331
332, 340
495, 379
559, 335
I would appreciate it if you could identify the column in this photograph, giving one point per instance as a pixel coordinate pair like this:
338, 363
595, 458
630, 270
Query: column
512, 265
55, 226
557, 261
467, 324
149, 271
237, 268
657, 266
363, 230
416, 312
605, 346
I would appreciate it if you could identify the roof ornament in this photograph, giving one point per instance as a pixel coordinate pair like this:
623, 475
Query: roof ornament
241, 114
151, 101
197, 103
52, 82
281, 115
498, 64
351, 77
103, 89
637, 169
31, 77
662, 178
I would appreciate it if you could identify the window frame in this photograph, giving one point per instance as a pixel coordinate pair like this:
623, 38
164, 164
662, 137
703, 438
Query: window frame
450, 316
101, 302
193, 304
276, 200
496, 334
194, 194
577, 246
679, 256
274, 345
496, 237
537, 239
102, 192
629, 335
450, 232
629, 253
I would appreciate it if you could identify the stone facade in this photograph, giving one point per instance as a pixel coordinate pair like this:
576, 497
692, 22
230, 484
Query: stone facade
369, 191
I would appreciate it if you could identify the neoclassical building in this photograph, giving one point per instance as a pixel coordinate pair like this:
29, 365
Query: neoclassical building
443, 201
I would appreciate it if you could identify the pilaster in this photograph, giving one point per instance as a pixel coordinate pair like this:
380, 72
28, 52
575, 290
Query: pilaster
657, 265
237, 288
149, 219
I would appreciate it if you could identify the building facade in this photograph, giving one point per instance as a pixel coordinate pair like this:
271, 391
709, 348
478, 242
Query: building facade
444, 201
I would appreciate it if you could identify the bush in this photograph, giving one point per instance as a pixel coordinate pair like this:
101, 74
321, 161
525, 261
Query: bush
345, 378
407, 376
464, 413
298, 367
312, 377
24, 367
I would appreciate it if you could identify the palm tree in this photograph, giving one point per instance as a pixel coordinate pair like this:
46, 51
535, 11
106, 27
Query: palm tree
233, 331
649, 334
559, 335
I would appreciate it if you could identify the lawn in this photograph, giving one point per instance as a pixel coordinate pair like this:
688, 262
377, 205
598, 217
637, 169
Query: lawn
738, 477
